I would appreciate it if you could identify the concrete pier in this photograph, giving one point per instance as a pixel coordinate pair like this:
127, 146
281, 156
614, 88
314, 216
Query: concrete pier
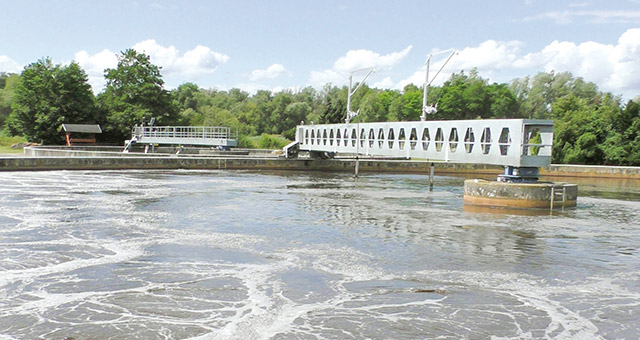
538, 195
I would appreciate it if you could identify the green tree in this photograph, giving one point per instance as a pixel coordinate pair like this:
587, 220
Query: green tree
464, 97
537, 95
8, 83
632, 133
307, 95
386, 97
407, 106
622, 145
134, 93
503, 103
257, 110
334, 104
277, 120
185, 96
372, 109
294, 114
582, 130
48, 95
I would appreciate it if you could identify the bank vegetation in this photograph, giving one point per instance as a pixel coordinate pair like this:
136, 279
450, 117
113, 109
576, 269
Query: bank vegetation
591, 126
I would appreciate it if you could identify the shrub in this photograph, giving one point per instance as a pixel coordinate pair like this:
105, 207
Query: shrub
245, 142
290, 134
270, 142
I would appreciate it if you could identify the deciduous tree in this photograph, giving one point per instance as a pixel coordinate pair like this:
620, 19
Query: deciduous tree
48, 95
135, 92
8, 83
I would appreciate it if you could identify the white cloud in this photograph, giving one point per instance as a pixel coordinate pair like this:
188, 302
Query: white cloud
95, 65
468, 58
384, 83
160, 55
355, 60
489, 55
193, 63
359, 59
614, 68
319, 78
189, 66
272, 72
9, 65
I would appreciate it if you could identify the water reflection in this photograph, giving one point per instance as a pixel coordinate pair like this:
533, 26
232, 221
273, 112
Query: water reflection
402, 209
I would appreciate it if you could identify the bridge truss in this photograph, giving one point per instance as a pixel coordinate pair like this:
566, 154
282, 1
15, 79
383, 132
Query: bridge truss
512, 143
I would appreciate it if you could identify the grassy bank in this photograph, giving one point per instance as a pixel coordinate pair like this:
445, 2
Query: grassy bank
7, 142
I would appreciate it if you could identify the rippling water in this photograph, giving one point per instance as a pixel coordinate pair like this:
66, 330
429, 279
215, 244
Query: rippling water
265, 255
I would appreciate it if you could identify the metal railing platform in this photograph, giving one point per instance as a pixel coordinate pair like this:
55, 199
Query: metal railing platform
185, 135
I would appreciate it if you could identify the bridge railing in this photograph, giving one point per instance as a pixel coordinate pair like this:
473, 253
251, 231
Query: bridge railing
507, 142
183, 132
185, 135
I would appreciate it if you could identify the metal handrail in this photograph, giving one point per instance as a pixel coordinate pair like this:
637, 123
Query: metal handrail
217, 132
185, 135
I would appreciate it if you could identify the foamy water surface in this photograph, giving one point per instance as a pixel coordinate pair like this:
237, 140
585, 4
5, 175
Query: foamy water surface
266, 255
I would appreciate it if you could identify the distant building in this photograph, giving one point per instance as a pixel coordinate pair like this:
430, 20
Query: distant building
81, 133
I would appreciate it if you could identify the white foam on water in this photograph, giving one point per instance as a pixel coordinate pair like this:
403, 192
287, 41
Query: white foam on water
7, 337
175, 292
122, 251
539, 295
267, 312
274, 314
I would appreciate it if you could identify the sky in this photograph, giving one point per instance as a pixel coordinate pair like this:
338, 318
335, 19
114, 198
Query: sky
290, 44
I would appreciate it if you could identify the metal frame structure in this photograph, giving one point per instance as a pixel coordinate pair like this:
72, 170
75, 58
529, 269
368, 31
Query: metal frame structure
351, 114
428, 109
505, 142
185, 135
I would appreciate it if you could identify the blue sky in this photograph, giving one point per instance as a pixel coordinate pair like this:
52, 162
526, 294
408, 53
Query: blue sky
292, 44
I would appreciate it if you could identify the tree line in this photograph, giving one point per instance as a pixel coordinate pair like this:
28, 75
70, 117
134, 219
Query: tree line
591, 126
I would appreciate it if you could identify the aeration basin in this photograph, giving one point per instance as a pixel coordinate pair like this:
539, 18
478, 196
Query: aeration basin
538, 195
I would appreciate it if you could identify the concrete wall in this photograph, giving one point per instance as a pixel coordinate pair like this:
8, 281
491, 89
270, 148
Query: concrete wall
591, 171
116, 163
116, 151
81, 158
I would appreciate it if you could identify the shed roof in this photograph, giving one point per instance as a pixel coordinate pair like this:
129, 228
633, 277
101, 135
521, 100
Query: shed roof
82, 128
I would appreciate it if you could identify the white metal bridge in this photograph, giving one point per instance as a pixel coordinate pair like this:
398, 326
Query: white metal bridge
518, 143
522, 146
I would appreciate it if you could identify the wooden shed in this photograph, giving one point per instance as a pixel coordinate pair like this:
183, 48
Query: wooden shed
81, 133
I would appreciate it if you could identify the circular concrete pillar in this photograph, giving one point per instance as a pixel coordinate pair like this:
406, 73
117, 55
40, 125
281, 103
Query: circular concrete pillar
539, 195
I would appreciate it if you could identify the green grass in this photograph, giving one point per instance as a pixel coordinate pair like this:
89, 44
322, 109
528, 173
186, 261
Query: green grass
6, 142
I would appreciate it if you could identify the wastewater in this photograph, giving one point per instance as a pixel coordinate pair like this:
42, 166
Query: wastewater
289, 255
